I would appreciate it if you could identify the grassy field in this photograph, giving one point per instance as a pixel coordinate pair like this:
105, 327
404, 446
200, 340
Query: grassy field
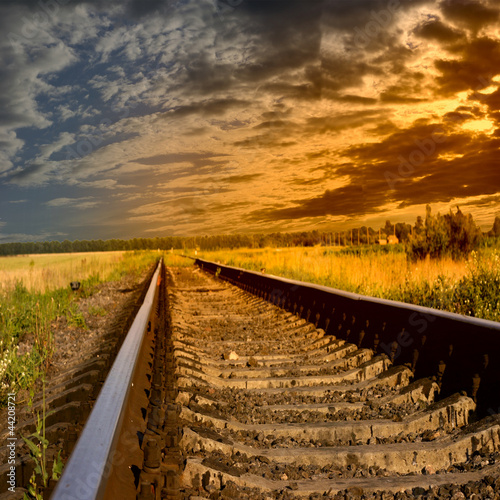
40, 273
469, 286
35, 291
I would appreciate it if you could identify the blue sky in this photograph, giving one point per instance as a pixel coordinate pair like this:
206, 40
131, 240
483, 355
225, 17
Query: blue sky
141, 119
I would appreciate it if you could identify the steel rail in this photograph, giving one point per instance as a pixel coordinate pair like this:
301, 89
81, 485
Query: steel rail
358, 297
85, 475
462, 352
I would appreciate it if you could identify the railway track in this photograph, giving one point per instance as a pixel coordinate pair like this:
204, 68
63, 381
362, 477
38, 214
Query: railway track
231, 396
70, 391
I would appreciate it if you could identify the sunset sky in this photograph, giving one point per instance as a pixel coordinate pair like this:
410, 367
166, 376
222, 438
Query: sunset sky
124, 119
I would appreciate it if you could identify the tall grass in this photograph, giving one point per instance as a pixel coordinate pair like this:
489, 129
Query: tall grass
44, 272
470, 286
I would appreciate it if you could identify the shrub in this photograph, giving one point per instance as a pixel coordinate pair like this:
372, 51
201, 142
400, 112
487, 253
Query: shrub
453, 234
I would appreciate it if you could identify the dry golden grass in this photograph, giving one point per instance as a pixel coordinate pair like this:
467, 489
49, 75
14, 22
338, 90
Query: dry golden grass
43, 272
370, 274
46, 272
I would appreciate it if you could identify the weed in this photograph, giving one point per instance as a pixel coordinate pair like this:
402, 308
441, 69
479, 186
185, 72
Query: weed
38, 444
89, 285
76, 318
97, 311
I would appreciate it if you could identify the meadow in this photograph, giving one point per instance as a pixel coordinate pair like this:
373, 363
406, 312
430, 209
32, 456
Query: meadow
470, 286
35, 291
45, 272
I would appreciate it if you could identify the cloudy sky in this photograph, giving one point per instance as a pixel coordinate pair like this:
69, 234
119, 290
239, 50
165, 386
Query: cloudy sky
134, 118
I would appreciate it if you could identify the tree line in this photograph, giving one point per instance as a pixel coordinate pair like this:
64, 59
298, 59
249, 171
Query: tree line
454, 234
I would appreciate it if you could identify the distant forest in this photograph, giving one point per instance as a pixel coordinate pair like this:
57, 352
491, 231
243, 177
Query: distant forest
421, 237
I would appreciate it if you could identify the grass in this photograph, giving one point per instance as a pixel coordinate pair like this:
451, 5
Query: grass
35, 292
469, 286
45, 272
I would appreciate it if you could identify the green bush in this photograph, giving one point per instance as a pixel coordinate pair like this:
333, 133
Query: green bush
477, 294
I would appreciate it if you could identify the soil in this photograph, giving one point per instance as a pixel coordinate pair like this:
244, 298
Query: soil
100, 312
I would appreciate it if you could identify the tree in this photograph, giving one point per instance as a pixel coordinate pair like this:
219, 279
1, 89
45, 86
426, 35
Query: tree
495, 230
453, 234
403, 232
419, 225
388, 228
464, 234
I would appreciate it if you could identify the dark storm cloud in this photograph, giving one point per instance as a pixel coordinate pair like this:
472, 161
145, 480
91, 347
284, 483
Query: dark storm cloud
457, 117
350, 200
349, 15
197, 160
29, 171
229, 207
384, 128
328, 171
351, 69
144, 7
428, 179
475, 174
207, 108
338, 73
491, 100
264, 141
273, 124
288, 37
205, 76
319, 154
355, 119
281, 133
435, 29
398, 94
473, 110
292, 19
472, 14
354, 99
231, 179
405, 168
238, 179
303, 91
281, 37
403, 143
476, 63
486, 201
